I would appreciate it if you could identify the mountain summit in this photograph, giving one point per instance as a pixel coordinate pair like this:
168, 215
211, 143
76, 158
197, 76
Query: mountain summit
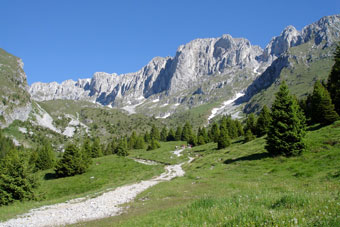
212, 68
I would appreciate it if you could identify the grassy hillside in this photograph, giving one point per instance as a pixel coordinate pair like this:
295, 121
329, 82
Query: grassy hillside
241, 185
13, 93
105, 172
306, 65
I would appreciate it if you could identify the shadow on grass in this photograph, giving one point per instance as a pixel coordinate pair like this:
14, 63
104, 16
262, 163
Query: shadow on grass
314, 127
50, 176
252, 157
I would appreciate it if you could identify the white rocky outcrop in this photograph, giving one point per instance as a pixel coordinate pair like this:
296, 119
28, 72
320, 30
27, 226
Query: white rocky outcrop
234, 60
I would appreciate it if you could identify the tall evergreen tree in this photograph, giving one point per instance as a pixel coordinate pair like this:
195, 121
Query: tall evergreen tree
164, 134
122, 148
321, 108
287, 128
171, 135
178, 135
333, 82
45, 157
214, 133
250, 123
239, 127
132, 140
96, 148
140, 144
17, 182
223, 139
249, 136
72, 162
153, 145
187, 132
263, 122
154, 133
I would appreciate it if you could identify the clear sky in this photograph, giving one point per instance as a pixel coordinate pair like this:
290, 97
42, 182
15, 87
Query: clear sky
71, 39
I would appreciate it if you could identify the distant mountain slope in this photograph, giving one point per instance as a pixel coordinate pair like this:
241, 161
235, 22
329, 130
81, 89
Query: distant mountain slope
204, 71
15, 100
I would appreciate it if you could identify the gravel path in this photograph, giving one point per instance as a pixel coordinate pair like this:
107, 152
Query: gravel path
84, 209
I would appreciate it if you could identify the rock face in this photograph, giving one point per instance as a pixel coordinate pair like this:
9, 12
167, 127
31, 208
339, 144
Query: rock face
213, 62
15, 103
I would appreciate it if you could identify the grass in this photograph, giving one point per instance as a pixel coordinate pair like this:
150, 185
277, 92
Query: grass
105, 173
162, 154
243, 186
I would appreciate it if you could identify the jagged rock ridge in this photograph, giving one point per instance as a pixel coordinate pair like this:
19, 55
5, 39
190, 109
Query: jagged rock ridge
195, 63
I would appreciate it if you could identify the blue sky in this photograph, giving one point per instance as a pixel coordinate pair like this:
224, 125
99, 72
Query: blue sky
71, 39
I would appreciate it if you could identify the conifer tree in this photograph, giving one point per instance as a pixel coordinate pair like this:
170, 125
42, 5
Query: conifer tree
86, 150
263, 122
232, 128
147, 137
287, 128
171, 135
250, 123
140, 144
249, 136
214, 133
178, 135
45, 157
223, 139
121, 149
154, 133
321, 108
96, 148
17, 182
164, 134
153, 145
111, 147
333, 82
239, 127
132, 140
187, 132
72, 162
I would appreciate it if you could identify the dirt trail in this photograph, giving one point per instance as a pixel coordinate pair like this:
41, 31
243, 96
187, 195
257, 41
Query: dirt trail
85, 209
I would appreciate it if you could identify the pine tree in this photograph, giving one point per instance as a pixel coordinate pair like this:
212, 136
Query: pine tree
239, 127
223, 139
250, 123
45, 157
187, 132
154, 133
232, 128
147, 137
132, 140
86, 150
17, 182
287, 128
178, 134
214, 133
153, 145
140, 144
111, 147
171, 135
96, 149
164, 134
121, 149
263, 121
333, 82
321, 106
249, 136
72, 162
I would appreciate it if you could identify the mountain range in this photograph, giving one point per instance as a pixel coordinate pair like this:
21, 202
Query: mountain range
217, 75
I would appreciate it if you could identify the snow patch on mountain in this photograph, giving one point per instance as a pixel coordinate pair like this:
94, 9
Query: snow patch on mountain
225, 105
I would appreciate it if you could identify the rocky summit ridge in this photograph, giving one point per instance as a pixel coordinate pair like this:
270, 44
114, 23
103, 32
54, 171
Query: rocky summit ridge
201, 66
